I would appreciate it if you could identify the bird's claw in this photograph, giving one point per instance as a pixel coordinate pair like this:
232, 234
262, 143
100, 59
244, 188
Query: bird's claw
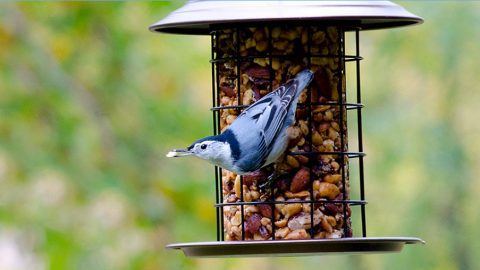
270, 179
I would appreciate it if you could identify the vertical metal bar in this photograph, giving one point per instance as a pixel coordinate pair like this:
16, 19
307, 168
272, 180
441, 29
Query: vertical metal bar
309, 138
214, 103
360, 136
270, 56
341, 67
218, 131
237, 59
272, 72
214, 96
218, 170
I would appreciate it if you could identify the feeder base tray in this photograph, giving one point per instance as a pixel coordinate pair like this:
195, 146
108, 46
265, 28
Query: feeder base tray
361, 245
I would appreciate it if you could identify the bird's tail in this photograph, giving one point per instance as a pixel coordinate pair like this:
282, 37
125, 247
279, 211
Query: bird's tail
302, 80
295, 86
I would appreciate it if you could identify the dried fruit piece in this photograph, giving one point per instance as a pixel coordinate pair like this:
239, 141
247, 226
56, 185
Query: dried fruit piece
256, 71
300, 180
332, 209
302, 159
253, 223
264, 232
265, 210
257, 177
227, 90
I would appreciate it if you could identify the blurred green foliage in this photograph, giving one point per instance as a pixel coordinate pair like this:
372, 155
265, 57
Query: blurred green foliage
90, 102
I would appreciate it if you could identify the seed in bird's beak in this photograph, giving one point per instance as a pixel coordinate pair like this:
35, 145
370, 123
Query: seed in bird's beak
179, 153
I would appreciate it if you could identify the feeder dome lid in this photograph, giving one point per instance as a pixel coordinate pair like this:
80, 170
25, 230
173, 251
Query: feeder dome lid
199, 17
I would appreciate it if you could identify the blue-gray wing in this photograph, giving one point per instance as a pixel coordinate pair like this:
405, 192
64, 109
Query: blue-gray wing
269, 113
262, 122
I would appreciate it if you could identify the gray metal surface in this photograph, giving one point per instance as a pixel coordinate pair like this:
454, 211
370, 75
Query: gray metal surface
201, 16
295, 247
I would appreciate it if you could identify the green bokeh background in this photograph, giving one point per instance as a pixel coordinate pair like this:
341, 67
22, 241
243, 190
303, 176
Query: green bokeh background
90, 102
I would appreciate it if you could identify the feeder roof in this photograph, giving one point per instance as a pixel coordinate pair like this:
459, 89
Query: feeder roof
199, 17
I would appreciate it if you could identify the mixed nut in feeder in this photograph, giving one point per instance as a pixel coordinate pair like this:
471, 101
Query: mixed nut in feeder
258, 46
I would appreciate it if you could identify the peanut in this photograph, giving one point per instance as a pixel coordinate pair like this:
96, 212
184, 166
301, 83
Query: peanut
303, 127
297, 235
301, 194
261, 46
327, 190
249, 43
276, 32
317, 139
259, 35
261, 62
281, 223
288, 34
325, 225
292, 162
237, 187
332, 178
282, 233
275, 64
236, 220
280, 45
318, 37
248, 97
291, 209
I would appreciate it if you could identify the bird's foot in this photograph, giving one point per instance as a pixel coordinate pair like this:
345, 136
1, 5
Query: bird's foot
270, 181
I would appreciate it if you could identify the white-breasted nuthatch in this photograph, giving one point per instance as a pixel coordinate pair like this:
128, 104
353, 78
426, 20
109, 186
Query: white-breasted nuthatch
258, 137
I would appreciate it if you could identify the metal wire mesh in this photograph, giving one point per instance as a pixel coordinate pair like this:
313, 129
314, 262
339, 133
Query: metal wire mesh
227, 51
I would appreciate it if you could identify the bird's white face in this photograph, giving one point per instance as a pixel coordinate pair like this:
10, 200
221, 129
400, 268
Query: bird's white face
216, 152
204, 150
213, 151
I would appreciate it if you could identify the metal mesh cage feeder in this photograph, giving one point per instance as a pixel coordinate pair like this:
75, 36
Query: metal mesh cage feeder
257, 46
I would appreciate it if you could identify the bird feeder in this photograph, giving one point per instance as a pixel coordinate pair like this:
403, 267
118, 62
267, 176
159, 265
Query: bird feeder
255, 47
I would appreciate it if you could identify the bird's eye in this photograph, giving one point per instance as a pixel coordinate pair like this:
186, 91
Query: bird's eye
203, 146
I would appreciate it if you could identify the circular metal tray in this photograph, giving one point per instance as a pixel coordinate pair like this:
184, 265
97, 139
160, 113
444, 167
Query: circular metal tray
295, 247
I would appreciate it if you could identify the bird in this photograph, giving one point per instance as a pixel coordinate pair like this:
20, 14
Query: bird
258, 136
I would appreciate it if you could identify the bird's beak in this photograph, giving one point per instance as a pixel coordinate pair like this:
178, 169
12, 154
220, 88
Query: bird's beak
179, 153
